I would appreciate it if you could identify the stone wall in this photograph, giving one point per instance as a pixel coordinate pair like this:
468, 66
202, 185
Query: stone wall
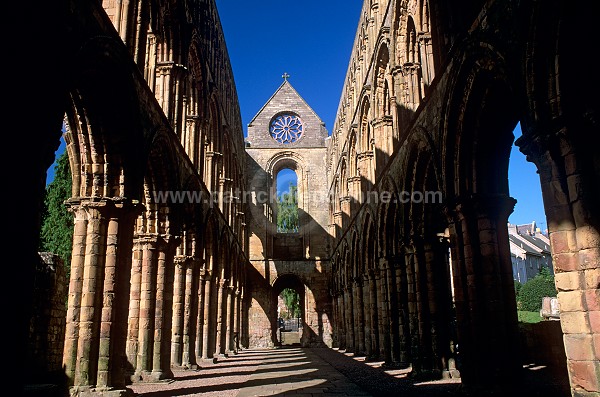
47, 326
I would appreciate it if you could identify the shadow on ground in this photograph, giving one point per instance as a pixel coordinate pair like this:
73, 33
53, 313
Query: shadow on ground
293, 371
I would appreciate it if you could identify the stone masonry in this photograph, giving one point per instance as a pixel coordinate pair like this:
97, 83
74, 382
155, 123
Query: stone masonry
402, 253
281, 260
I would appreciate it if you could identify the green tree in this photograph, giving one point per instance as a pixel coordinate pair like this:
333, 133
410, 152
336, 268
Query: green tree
287, 211
292, 302
56, 234
529, 297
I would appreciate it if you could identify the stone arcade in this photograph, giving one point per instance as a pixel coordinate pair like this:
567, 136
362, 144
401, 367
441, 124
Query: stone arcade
431, 96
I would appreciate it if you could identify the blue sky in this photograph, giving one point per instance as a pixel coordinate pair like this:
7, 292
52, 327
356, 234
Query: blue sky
312, 40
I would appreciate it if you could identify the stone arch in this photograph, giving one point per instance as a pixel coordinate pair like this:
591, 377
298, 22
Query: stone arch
478, 122
290, 160
472, 160
101, 133
386, 211
366, 145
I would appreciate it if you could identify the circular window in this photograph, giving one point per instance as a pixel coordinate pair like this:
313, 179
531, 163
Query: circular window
286, 128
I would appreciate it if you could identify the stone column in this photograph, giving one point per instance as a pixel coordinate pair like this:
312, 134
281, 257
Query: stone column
342, 321
229, 348
178, 310
402, 299
335, 325
236, 321
74, 303
349, 319
242, 319
440, 306
98, 294
188, 357
374, 306
393, 310
200, 319
485, 299
359, 331
161, 368
221, 318
572, 215
147, 302
207, 349
366, 297
384, 319
133, 328
412, 309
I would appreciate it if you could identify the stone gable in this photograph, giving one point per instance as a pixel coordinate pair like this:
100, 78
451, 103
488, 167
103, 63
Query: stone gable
286, 99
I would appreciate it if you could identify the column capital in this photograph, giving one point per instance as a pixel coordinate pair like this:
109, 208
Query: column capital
498, 206
182, 260
106, 207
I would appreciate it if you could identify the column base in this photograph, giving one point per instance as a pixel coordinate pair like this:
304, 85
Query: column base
186, 366
372, 357
89, 391
396, 365
221, 357
450, 374
425, 375
211, 360
152, 376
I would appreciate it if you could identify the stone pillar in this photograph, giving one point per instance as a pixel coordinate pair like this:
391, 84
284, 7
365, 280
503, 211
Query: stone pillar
572, 216
484, 292
440, 307
229, 348
161, 368
147, 301
426, 58
188, 356
178, 310
98, 294
236, 321
392, 294
349, 319
360, 316
384, 317
403, 323
334, 307
201, 313
420, 260
133, 328
412, 309
241, 319
341, 321
221, 315
374, 308
412, 73
207, 349
345, 207
366, 297
74, 303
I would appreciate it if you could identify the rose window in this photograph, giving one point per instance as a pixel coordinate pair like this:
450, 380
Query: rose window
286, 128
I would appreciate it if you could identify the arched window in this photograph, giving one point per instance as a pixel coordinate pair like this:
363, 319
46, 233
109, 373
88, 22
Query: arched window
287, 201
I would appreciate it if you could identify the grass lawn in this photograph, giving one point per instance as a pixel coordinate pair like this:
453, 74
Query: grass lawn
529, 317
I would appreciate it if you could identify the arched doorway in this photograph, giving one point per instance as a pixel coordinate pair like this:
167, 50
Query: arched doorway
289, 295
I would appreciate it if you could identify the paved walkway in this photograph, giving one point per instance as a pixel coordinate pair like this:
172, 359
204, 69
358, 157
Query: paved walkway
275, 372
294, 371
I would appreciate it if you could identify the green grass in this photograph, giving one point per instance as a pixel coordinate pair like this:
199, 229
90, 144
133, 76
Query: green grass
529, 317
